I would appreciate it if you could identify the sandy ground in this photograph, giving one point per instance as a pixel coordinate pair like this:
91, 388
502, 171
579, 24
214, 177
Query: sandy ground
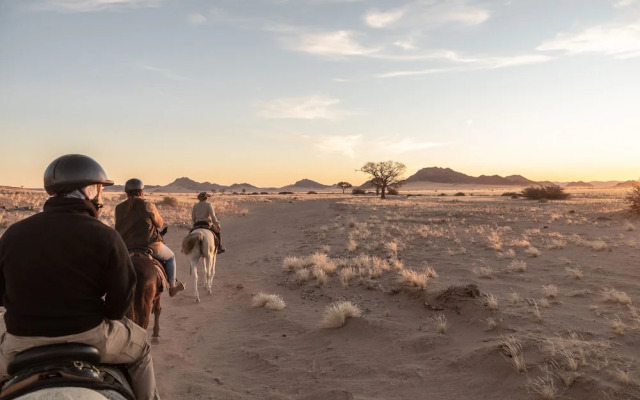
581, 345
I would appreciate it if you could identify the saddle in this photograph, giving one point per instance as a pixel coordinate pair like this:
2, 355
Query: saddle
202, 225
62, 365
147, 253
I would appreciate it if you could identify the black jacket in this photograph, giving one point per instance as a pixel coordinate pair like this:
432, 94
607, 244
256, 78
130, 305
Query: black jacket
62, 271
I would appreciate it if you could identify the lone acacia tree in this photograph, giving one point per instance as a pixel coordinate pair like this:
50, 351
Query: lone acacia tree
343, 185
384, 173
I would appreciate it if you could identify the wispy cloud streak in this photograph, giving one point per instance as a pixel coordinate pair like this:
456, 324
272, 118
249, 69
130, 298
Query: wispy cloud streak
311, 107
81, 6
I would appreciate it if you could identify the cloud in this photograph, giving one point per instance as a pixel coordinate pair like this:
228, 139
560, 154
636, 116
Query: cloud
165, 73
92, 5
471, 64
344, 145
376, 19
401, 146
196, 19
336, 43
624, 3
311, 107
619, 40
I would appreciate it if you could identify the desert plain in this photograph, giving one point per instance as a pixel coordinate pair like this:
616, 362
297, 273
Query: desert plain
436, 295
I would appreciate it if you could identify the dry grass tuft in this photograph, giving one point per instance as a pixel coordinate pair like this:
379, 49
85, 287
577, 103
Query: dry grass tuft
543, 387
616, 296
292, 263
512, 351
575, 272
483, 272
441, 323
491, 301
517, 266
268, 301
336, 314
346, 274
492, 322
532, 251
303, 274
514, 297
414, 278
623, 376
550, 291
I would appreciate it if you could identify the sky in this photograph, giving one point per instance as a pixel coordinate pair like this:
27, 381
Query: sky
269, 92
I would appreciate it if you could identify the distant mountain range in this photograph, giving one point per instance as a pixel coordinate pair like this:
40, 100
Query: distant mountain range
425, 175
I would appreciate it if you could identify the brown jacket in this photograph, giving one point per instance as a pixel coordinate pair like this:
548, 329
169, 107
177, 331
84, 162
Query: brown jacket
137, 221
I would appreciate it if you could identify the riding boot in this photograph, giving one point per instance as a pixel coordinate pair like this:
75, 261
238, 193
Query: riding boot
221, 248
175, 287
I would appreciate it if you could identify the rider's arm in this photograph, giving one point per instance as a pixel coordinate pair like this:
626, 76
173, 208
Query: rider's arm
155, 215
2, 282
214, 219
193, 214
120, 279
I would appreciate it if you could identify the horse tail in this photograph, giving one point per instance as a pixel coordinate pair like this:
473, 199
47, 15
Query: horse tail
190, 241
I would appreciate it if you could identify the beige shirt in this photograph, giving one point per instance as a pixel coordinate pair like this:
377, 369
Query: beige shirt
203, 211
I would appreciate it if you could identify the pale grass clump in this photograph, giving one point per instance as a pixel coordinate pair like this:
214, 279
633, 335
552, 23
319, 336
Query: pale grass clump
430, 272
512, 352
597, 245
414, 278
557, 244
321, 276
491, 301
622, 376
441, 323
268, 301
392, 248
520, 243
336, 314
325, 248
293, 263
543, 387
509, 254
536, 311
397, 265
352, 245
575, 272
495, 241
517, 266
346, 274
491, 322
244, 212
544, 303
617, 325
303, 274
483, 272
629, 226
550, 291
616, 296
532, 251
323, 262
514, 297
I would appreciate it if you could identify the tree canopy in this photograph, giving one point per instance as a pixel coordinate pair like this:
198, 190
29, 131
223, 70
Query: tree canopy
384, 174
343, 185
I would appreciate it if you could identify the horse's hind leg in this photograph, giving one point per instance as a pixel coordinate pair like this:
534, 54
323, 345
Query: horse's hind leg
211, 270
157, 310
194, 270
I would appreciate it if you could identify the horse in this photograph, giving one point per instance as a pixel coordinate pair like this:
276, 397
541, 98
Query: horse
150, 283
201, 246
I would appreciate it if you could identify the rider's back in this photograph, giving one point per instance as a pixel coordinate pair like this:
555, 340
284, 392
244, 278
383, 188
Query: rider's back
60, 273
134, 223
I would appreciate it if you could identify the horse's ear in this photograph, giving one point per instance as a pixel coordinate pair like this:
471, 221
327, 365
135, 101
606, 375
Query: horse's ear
164, 231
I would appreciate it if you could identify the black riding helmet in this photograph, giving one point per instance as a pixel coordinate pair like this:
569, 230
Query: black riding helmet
73, 171
133, 185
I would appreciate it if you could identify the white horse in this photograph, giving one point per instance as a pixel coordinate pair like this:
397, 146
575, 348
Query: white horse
201, 247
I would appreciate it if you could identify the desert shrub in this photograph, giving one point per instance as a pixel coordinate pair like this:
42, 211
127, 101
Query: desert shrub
312, 192
170, 201
633, 199
442, 194
264, 192
548, 192
513, 195
459, 194
359, 191
285, 192
392, 191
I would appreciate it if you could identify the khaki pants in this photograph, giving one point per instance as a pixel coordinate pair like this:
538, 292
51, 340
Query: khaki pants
119, 342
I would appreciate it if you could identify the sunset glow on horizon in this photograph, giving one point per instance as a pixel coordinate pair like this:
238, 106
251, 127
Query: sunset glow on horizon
286, 90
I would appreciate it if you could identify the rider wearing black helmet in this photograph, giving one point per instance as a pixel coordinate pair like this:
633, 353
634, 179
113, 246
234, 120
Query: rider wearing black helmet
138, 221
67, 277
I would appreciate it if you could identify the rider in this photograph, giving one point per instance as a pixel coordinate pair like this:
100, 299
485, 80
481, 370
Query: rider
67, 277
138, 221
203, 216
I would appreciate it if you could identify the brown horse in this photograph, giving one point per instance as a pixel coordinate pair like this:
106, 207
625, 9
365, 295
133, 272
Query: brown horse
151, 281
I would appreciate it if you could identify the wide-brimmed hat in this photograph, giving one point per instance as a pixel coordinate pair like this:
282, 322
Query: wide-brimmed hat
203, 195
